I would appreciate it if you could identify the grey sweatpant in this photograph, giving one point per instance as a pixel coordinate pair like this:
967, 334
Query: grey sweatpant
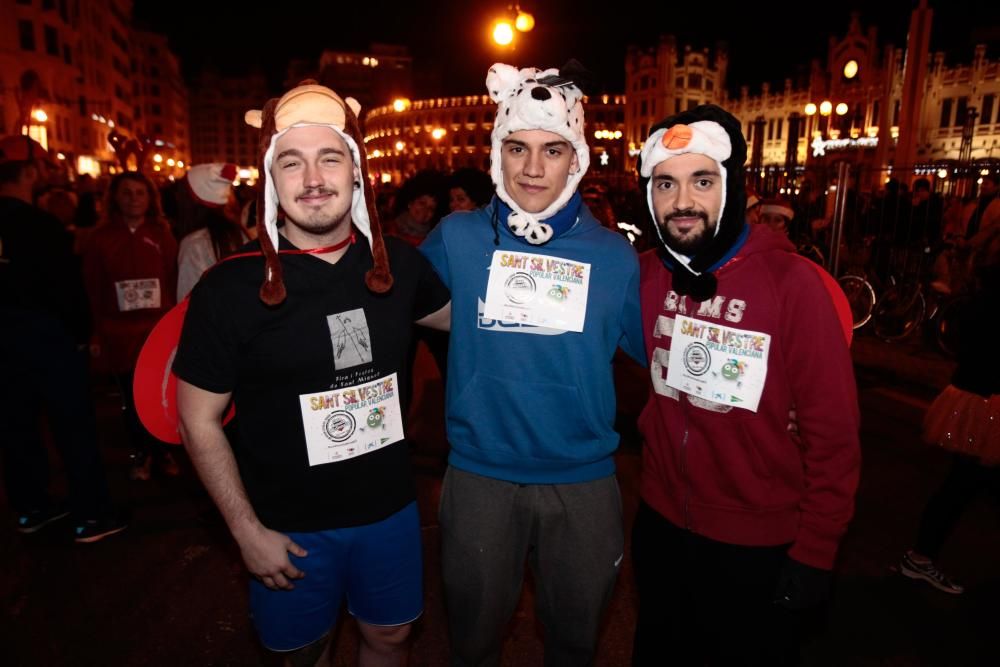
572, 536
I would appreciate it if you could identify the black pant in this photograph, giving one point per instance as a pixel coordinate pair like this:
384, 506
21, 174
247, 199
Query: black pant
705, 602
44, 373
142, 442
966, 480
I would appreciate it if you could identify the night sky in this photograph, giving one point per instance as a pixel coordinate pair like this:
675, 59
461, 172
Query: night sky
451, 37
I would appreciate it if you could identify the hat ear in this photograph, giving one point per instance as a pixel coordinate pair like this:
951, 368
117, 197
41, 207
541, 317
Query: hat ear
253, 118
354, 105
501, 80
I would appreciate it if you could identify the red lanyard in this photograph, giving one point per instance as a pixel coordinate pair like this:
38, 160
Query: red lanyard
311, 251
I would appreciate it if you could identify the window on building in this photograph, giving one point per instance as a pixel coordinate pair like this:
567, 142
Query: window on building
82, 101
709, 85
24, 2
679, 82
945, 113
620, 116
644, 83
770, 129
63, 11
26, 32
985, 117
961, 111
895, 114
749, 131
157, 128
652, 107
48, 4
51, 41
781, 123
643, 109
692, 104
875, 109
67, 54
154, 90
694, 81
677, 105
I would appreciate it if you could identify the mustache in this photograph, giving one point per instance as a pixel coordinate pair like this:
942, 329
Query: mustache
318, 190
686, 213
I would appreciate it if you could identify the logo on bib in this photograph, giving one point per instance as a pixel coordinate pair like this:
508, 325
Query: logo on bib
520, 288
339, 426
697, 359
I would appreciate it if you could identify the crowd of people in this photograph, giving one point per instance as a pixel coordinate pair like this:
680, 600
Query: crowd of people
305, 298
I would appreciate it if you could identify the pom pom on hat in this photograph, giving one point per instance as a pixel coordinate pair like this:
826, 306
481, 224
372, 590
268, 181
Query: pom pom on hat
212, 183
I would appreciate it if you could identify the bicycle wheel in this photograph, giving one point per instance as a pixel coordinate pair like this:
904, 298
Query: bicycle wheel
860, 296
900, 310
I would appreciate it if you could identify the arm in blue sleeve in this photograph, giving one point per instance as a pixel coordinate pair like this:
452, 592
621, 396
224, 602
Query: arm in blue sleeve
632, 341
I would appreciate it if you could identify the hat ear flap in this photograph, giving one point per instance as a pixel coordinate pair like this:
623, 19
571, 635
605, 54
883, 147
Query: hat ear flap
272, 291
354, 105
379, 277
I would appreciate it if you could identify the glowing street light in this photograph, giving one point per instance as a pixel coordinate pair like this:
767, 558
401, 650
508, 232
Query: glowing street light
825, 107
841, 109
39, 115
524, 21
503, 33
400, 104
400, 145
810, 109
438, 133
157, 158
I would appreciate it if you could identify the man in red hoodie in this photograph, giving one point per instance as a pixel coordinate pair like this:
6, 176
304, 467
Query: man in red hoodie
739, 521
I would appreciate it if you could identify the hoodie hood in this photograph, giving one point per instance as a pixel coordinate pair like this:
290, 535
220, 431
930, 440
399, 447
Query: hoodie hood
714, 132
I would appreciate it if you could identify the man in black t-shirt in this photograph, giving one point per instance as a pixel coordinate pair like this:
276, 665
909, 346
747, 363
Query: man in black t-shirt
317, 489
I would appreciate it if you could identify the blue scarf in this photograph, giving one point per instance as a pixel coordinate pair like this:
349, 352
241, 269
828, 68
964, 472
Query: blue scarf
561, 221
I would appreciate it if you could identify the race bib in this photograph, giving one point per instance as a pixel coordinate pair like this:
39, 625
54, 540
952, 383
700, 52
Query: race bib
538, 290
718, 363
343, 423
138, 294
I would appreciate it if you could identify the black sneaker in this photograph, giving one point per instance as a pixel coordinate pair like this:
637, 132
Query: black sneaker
929, 572
32, 522
98, 529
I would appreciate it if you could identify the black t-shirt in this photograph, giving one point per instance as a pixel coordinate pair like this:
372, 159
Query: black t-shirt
330, 333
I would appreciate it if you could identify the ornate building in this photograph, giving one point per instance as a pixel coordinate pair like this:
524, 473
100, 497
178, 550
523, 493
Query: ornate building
446, 133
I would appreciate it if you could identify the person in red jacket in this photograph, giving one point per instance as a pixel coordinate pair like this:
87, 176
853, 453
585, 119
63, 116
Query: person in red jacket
130, 269
739, 519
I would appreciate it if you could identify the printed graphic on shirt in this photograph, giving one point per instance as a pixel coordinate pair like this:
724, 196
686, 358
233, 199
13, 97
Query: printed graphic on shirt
344, 423
352, 344
138, 294
491, 324
718, 363
537, 289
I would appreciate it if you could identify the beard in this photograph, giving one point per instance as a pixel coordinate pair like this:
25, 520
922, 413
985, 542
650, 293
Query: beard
691, 242
320, 221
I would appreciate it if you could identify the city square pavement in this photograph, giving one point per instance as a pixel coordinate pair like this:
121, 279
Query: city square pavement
171, 590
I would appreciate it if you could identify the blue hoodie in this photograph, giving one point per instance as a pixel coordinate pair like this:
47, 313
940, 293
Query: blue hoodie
529, 404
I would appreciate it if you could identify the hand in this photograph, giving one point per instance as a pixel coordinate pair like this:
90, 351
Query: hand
793, 426
265, 553
801, 586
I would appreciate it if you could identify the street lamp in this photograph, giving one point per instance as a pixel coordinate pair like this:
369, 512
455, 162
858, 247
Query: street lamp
503, 32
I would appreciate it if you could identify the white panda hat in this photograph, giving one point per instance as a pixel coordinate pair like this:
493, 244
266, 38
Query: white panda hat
533, 99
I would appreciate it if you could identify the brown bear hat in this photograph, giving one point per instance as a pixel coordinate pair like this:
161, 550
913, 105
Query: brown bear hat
312, 104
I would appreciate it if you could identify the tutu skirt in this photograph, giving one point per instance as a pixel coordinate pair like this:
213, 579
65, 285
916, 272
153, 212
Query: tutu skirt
965, 423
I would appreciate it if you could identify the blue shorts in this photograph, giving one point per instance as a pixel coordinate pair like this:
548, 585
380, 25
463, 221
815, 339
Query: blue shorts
378, 567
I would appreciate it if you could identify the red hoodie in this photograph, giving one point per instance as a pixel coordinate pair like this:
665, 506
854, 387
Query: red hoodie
738, 476
115, 261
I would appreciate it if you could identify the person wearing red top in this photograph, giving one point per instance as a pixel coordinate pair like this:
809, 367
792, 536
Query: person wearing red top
130, 270
740, 519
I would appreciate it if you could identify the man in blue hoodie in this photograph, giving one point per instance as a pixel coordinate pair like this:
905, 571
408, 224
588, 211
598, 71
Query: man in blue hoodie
542, 296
